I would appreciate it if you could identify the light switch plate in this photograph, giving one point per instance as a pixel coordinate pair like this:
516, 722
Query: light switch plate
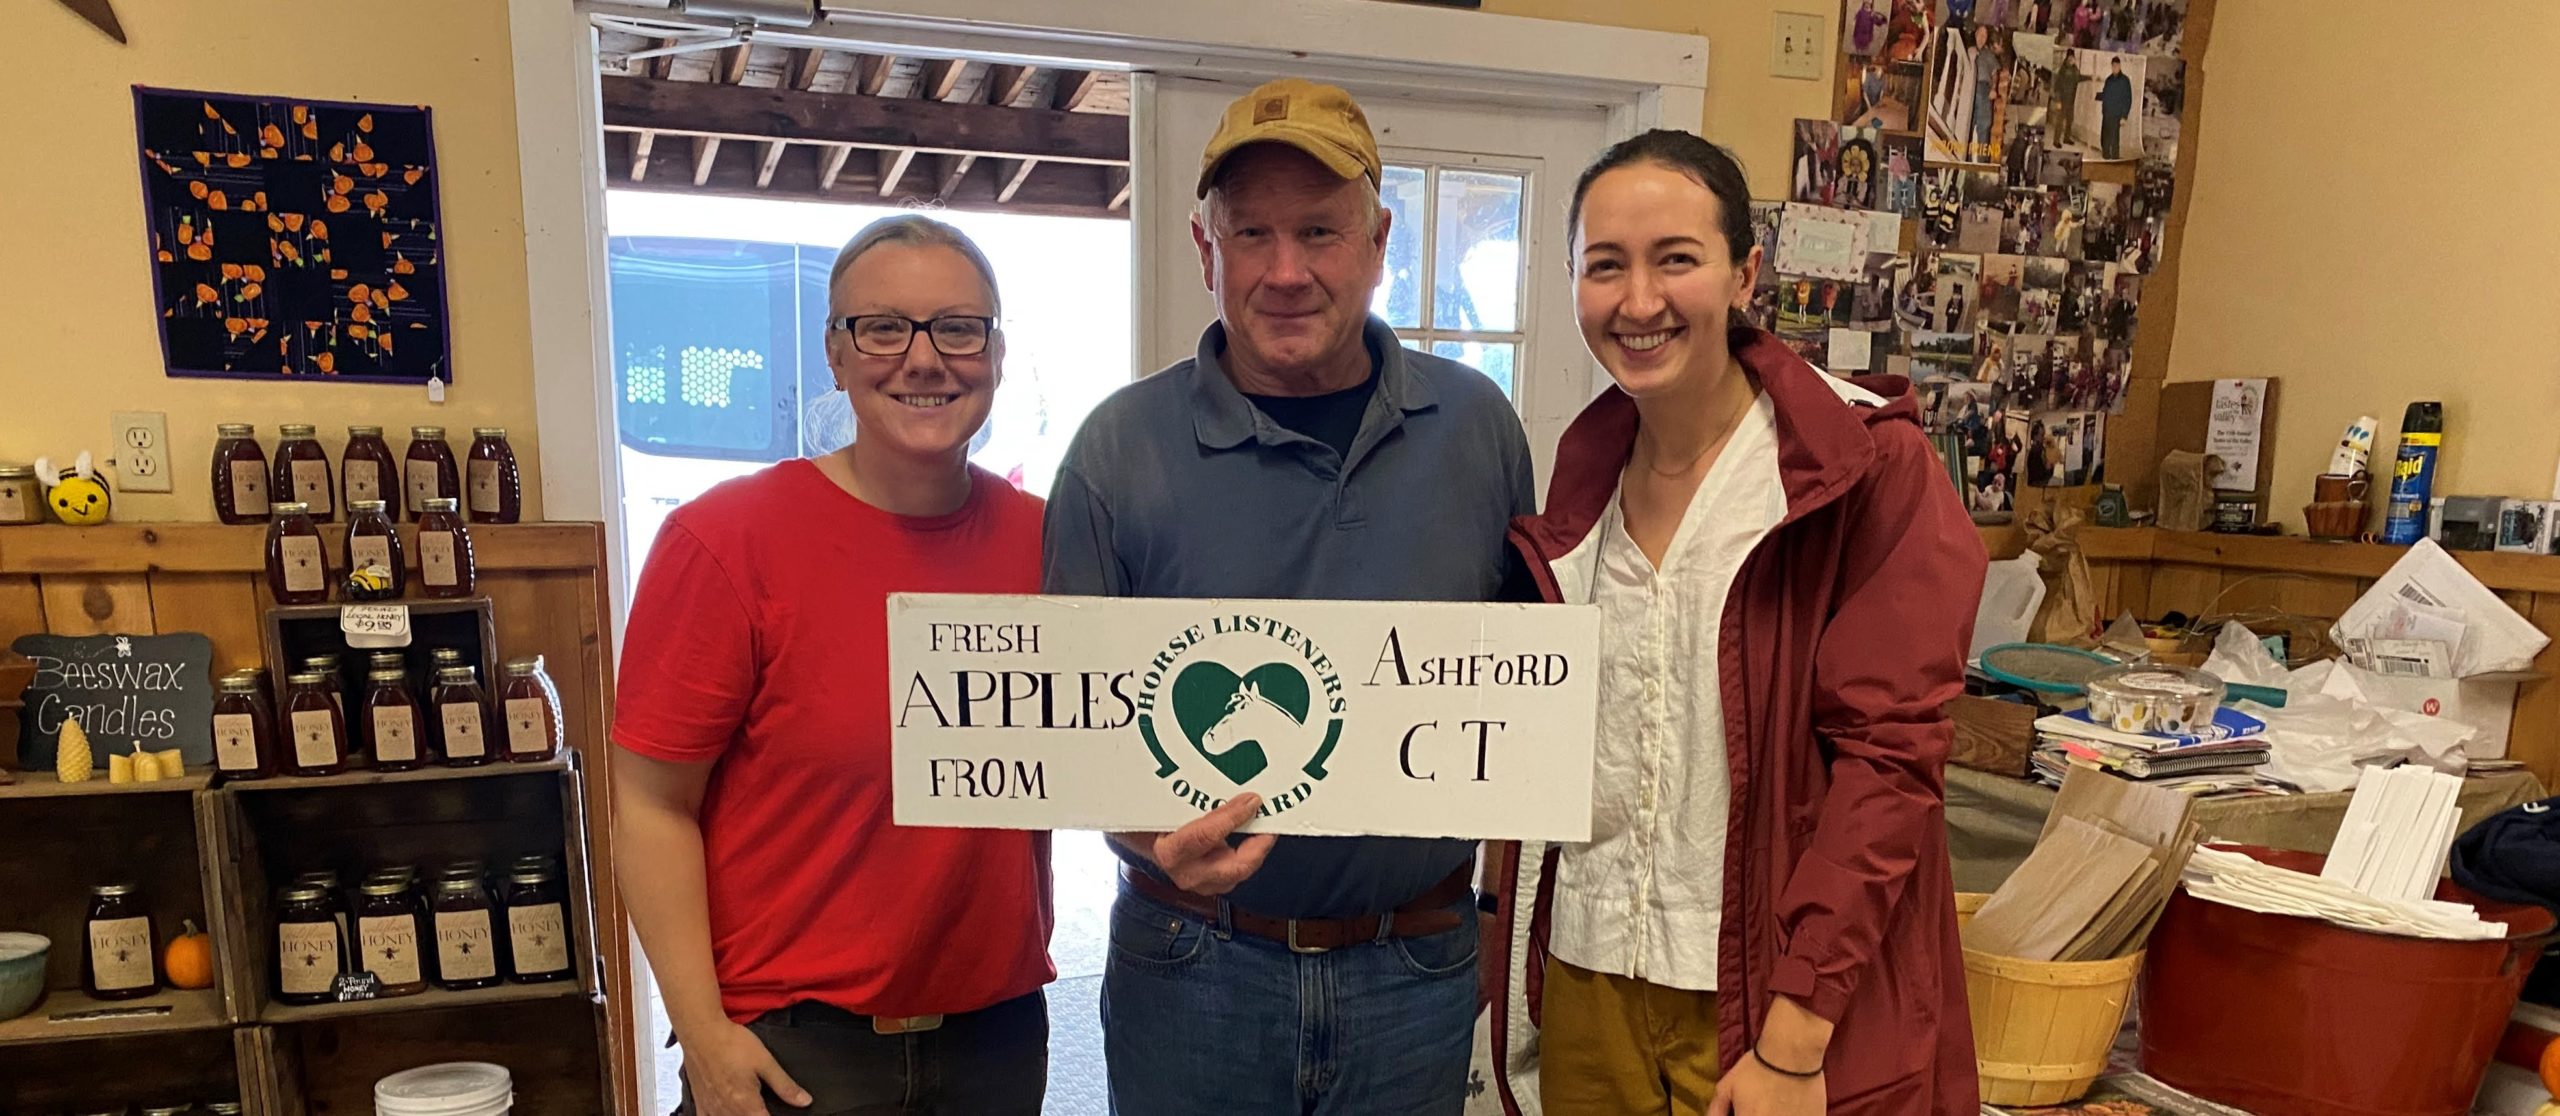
1799, 44
140, 450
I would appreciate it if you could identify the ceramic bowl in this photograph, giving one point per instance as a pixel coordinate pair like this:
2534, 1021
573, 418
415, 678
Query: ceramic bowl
22, 958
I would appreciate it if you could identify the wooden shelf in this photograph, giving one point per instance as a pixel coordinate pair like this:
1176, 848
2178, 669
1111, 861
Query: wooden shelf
45, 784
189, 1010
367, 778
429, 1000
216, 548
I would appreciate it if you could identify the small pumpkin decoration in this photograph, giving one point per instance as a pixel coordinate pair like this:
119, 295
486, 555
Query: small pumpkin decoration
188, 960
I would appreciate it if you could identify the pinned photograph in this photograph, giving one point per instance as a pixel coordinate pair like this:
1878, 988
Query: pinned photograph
1766, 216
1985, 208
1944, 357
2164, 97
1915, 293
2155, 186
2061, 168
1956, 294
2031, 69
1941, 205
2027, 220
2023, 152
2102, 232
1817, 162
1957, 13
1862, 27
2164, 28
1902, 170
1960, 403
2124, 307
1821, 242
1906, 33
2097, 104
2093, 24
2036, 17
1872, 308
1875, 95
1763, 311
1808, 304
2115, 374
2003, 280
1968, 93
1814, 347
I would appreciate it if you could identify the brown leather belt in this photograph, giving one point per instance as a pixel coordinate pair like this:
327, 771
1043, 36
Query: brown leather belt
1424, 916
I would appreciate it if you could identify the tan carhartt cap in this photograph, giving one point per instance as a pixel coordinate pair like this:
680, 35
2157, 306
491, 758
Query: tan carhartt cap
1321, 120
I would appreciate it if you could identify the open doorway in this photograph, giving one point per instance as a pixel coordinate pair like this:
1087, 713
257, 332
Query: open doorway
718, 250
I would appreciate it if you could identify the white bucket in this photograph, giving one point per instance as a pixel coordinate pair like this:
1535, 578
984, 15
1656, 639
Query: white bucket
446, 1089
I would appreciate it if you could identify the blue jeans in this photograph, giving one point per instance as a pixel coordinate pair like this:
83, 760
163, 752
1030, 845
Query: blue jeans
1196, 1019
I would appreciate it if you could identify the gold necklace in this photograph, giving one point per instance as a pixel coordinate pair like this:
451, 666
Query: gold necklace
1684, 469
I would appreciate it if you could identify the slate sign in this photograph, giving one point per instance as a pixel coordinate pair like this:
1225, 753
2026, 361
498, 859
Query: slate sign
153, 690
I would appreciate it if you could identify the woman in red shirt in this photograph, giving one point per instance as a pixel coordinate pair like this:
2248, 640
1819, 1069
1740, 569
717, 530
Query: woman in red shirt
811, 951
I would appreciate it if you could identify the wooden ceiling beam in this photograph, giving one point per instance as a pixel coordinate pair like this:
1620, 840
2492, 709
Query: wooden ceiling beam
1075, 87
640, 144
871, 74
1008, 84
1010, 178
1065, 190
772, 158
833, 165
804, 74
941, 77
728, 111
954, 169
893, 167
1121, 184
706, 150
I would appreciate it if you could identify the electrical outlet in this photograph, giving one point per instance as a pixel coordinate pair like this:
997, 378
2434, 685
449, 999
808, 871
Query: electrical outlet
141, 444
1800, 45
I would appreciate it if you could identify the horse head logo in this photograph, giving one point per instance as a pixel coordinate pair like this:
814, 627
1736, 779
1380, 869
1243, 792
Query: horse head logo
1233, 721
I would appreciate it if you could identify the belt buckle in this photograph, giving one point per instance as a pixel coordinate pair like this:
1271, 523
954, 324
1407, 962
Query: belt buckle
883, 1025
1294, 947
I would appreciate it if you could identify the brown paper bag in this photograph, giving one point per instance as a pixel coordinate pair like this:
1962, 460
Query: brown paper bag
2070, 609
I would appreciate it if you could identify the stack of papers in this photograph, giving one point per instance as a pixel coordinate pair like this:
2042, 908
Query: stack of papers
2223, 757
2236, 880
2398, 833
2101, 873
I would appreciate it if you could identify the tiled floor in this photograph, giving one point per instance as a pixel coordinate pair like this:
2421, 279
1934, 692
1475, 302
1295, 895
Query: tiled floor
1084, 871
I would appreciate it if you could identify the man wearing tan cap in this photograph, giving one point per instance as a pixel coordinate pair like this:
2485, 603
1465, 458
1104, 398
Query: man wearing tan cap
1303, 453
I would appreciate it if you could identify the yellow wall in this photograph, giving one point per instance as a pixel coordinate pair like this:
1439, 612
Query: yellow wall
2374, 222
78, 312
1748, 109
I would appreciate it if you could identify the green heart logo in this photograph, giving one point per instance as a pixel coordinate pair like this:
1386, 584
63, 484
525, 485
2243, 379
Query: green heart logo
1227, 718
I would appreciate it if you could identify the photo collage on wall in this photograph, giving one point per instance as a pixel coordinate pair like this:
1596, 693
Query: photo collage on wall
1979, 215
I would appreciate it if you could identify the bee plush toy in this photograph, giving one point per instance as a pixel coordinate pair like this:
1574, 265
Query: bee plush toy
80, 497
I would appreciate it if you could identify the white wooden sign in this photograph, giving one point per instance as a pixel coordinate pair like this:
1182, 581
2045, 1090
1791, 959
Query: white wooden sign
1347, 717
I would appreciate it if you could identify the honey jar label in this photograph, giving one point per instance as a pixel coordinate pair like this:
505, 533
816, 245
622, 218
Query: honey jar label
311, 485
248, 488
121, 950
390, 944
484, 487
465, 950
541, 938
303, 571
306, 957
526, 734
421, 476
369, 550
315, 739
235, 742
394, 740
435, 558
462, 737
364, 481
17, 502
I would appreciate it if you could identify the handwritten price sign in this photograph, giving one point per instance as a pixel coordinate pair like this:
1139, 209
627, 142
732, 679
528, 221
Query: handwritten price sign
375, 625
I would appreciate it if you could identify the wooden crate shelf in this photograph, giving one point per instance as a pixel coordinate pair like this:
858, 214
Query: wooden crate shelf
367, 778
189, 1010
44, 784
432, 999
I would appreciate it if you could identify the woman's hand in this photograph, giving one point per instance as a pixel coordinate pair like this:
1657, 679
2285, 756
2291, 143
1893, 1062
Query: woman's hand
1753, 1089
727, 1068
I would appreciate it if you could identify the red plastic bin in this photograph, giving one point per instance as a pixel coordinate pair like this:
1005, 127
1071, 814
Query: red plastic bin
2286, 1016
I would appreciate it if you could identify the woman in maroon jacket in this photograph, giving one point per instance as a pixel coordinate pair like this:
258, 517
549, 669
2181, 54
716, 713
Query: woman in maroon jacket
1763, 922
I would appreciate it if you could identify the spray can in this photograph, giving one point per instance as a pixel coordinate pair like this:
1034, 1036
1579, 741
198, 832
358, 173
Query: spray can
2413, 473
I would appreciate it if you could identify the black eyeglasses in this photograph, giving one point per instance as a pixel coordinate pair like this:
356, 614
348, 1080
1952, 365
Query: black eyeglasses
892, 335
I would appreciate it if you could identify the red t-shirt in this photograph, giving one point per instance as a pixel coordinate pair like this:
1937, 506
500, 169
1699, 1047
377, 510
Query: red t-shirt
759, 641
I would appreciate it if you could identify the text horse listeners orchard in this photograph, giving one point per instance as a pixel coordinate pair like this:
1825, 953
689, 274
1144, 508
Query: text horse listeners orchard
1396, 719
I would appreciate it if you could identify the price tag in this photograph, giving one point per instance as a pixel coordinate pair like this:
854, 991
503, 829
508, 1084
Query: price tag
375, 625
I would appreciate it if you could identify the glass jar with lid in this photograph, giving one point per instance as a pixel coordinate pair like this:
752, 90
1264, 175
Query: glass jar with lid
537, 926
466, 942
496, 486
318, 729
241, 493
297, 567
532, 707
366, 470
462, 717
445, 564
122, 960
310, 944
393, 721
302, 471
374, 572
22, 500
427, 471
326, 666
222, 1108
244, 733
390, 936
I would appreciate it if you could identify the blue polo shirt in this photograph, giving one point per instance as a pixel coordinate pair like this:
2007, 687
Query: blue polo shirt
1178, 486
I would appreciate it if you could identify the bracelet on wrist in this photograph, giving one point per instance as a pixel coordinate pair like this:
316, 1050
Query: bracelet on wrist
1772, 1067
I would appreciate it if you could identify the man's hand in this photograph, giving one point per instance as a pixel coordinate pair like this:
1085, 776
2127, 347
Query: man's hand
728, 1068
1196, 856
